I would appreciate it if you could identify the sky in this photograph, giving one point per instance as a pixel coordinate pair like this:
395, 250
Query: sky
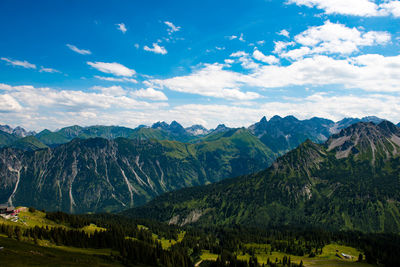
134, 62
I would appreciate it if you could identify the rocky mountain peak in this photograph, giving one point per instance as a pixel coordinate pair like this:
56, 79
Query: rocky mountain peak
197, 130
17, 131
366, 140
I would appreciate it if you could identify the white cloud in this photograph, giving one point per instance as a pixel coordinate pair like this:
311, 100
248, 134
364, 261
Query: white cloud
232, 37
112, 68
296, 53
319, 105
239, 54
38, 107
112, 79
9, 104
121, 27
364, 8
374, 73
150, 93
241, 38
19, 63
333, 38
280, 46
49, 70
79, 51
111, 91
284, 33
245, 60
229, 61
367, 72
210, 81
262, 42
266, 59
391, 7
137, 46
156, 49
171, 27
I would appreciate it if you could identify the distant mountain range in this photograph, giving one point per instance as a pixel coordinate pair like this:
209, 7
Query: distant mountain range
279, 134
98, 174
349, 182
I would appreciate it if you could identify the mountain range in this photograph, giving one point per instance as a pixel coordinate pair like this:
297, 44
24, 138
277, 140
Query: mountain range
279, 134
98, 174
111, 168
350, 182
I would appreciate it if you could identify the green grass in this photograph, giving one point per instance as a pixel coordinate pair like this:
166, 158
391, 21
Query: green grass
328, 257
17, 253
92, 228
206, 255
167, 243
37, 218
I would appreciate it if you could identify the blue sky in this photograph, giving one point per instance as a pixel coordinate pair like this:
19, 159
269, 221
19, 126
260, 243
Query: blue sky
137, 62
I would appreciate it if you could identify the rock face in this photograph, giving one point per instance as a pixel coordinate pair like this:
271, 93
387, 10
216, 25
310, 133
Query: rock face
197, 130
284, 134
351, 182
97, 175
18, 131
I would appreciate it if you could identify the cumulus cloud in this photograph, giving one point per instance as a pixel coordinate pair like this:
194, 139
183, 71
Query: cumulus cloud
112, 68
266, 59
318, 104
150, 93
8, 104
245, 60
284, 33
47, 107
332, 38
38, 108
171, 27
25, 64
111, 91
363, 8
210, 81
79, 51
156, 49
113, 79
371, 72
280, 46
121, 27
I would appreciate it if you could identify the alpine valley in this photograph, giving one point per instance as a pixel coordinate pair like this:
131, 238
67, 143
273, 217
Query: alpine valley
110, 168
282, 192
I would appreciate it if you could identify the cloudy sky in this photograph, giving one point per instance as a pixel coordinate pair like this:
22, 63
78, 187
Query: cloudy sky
198, 62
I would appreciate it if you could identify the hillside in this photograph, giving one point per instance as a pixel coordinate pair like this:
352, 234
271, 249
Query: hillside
27, 143
6, 138
351, 182
33, 237
97, 175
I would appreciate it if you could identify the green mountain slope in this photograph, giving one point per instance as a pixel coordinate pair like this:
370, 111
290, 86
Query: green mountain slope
51, 138
96, 174
28, 143
350, 182
6, 138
